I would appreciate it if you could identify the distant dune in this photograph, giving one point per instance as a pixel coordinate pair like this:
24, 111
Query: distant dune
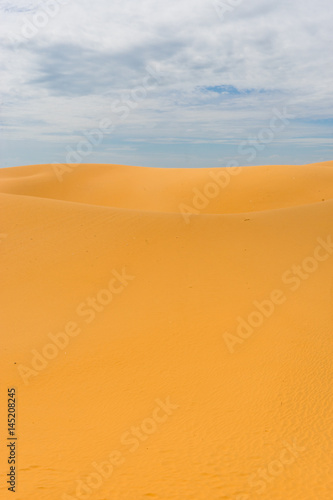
168, 333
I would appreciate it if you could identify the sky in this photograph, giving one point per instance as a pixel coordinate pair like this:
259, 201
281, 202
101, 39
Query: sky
183, 83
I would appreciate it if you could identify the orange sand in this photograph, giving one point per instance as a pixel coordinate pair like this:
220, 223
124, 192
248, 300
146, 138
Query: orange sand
168, 332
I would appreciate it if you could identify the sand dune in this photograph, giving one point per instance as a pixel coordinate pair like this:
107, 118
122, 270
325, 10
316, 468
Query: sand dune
168, 332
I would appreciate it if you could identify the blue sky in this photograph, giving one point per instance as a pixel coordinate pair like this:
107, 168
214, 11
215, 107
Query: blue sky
191, 83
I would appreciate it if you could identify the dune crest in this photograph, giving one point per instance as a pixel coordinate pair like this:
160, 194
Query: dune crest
168, 332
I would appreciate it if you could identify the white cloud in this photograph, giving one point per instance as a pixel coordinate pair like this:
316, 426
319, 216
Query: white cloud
65, 62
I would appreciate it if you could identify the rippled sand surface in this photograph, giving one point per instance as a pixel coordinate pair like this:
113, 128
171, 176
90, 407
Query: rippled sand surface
168, 332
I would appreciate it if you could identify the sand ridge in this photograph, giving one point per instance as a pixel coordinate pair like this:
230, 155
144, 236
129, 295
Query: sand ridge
168, 331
